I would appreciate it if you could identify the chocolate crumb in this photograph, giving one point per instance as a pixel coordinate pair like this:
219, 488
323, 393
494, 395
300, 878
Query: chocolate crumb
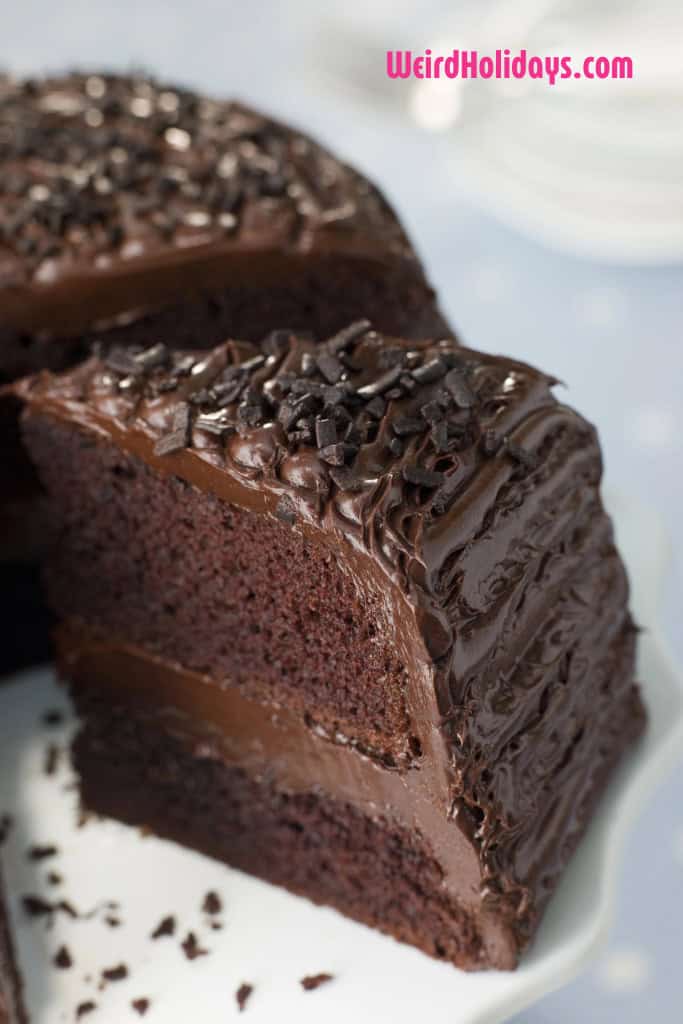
242, 995
34, 906
53, 717
113, 922
164, 928
140, 1006
41, 852
5, 827
191, 948
212, 903
54, 878
51, 759
115, 973
63, 959
84, 1008
313, 981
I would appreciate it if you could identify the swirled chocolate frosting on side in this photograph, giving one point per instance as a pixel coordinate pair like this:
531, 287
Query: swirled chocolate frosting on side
124, 199
350, 612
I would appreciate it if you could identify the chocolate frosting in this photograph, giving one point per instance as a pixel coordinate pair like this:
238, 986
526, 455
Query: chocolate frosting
120, 194
459, 480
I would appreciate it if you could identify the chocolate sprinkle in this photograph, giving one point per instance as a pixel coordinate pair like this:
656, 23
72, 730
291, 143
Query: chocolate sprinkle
405, 425
84, 1008
41, 852
140, 1006
191, 948
51, 759
422, 477
164, 928
325, 432
344, 338
212, 903
313, 981
242, 995
330, 367
63, 959
382, 384
118, 973
462, 393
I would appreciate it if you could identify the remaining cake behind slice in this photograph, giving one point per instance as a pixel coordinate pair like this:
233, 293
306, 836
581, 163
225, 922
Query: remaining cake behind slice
349, 617
130, 207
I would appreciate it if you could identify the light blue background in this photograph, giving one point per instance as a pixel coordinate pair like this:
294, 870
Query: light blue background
613, 335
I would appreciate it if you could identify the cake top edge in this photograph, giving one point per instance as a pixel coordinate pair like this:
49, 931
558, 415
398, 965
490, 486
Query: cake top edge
346, 413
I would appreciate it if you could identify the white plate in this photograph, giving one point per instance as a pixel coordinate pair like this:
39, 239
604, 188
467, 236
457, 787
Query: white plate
272, 939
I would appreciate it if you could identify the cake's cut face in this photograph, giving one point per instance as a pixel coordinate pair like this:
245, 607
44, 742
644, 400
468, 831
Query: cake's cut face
348, 616
127, 205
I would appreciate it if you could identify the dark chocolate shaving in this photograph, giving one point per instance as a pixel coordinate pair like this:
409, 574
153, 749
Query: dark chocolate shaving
212, 904
313, 981
63, 959
242, 995
457, 384
118, 973
422, 477
41, 852
164, 928
191, 947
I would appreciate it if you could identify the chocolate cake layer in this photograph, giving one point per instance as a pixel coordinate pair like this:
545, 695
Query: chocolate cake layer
224, 514
123, 199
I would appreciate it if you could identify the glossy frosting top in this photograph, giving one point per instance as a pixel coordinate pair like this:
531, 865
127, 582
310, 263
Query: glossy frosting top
108, 182
388, 442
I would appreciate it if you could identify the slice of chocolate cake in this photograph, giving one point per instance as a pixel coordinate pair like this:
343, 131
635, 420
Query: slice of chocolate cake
350, 618
130, 210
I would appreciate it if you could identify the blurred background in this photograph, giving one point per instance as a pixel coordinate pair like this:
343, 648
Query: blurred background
551, 222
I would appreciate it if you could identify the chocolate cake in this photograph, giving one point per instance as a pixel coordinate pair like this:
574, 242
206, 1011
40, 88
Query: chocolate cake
130, 210
348, 617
